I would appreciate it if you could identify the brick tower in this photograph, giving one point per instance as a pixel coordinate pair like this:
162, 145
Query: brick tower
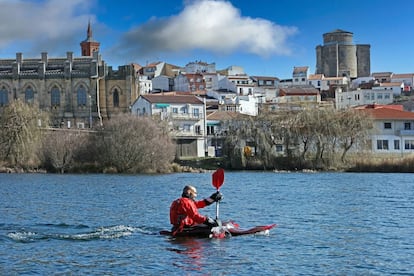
89, 45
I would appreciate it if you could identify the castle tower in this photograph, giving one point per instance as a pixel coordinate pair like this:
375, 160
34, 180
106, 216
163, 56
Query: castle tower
89, 45
340, 57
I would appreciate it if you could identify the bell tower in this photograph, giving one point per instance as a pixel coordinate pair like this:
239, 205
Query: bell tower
89, 45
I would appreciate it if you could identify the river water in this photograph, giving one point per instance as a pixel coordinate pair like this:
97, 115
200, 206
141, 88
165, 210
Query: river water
328, 224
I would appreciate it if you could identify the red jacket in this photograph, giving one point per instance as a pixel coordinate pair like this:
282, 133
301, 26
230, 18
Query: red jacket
184, 212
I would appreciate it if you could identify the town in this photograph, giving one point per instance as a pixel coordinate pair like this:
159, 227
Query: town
84, 92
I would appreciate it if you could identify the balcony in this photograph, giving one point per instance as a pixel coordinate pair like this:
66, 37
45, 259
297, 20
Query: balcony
405, 132
182, 116
186, 133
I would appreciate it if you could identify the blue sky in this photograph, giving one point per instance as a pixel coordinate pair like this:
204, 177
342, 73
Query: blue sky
266, 37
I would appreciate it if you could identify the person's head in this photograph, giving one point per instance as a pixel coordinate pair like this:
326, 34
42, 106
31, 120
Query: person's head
189, 192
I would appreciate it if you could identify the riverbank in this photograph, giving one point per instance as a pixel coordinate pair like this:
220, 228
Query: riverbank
378, 163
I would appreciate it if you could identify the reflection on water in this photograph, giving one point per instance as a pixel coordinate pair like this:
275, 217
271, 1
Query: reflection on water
192, 252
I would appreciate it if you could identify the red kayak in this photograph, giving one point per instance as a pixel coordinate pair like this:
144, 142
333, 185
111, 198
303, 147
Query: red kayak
226, 229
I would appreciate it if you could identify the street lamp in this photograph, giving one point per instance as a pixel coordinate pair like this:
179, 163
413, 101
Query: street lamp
90, 111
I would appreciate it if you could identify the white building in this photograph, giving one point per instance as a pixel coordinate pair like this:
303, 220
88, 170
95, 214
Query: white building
200, 67
300, 75
358, 97
162, 83
407, 79
394, 87
185, 117
144, 84
394, 129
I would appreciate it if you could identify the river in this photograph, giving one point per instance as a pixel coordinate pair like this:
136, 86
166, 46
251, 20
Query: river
328, 224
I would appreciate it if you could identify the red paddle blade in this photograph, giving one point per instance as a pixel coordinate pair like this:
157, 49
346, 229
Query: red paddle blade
218, 178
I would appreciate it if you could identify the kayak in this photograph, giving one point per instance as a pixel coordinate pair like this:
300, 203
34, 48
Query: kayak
225, 230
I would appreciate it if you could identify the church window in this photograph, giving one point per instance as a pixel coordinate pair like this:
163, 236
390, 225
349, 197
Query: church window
81, 96
55, 97
4, 96
116, 98
29, 95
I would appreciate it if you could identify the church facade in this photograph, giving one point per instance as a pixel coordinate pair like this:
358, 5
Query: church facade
79, 92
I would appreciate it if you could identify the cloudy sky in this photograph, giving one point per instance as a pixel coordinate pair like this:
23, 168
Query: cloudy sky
266, 37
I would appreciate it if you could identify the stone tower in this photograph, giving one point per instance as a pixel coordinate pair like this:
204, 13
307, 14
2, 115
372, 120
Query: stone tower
339, 56
89, 45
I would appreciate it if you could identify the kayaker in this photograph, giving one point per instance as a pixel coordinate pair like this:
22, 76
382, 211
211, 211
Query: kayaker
184, 211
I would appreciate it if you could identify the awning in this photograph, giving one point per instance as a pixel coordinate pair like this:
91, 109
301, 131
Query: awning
161, 105
213, 123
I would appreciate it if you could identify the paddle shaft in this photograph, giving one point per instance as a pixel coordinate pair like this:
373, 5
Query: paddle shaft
217, 209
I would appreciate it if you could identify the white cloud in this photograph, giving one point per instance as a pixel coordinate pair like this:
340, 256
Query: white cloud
207, 25
42, 24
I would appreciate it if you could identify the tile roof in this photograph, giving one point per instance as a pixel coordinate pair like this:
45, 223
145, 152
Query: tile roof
224, 115
316, 77
300, 69
402, 76
264, 78
290, 91
190, 99
388, 84
387, 112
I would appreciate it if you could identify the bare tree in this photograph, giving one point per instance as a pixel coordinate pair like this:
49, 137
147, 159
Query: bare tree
311, 137
60, 147
20, 133
132, 144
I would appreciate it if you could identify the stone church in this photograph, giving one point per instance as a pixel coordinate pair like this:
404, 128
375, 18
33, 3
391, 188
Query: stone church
79, 92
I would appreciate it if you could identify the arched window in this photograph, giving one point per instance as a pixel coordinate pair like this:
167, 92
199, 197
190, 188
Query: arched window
29, 95
4, 96
55, 97
116, 98
81, 96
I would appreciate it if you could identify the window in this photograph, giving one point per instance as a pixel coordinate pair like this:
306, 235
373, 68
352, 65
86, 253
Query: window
379, 96
196, 112
187, 127
184, 110
55, 97
387, 96
387, 125
409, 144
175, 110
29, 95
4, 96
407, 126
115, 97
382, 144
198, 129
396, 144
81, 96
210, 130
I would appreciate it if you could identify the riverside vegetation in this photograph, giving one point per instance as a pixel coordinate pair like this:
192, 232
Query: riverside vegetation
316, 139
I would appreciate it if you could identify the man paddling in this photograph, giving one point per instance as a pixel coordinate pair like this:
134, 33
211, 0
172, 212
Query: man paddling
184, 211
